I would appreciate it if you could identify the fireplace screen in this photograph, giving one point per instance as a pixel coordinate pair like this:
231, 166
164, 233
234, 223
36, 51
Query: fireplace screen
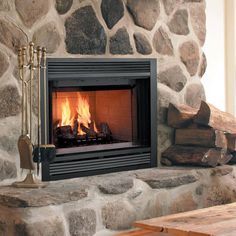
100, 114
93, 120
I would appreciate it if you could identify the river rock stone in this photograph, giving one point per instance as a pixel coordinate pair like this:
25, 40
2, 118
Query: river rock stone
189, 54
10, 104
162, 43
30, 10
63, 6
179, 22
11, 36
118, 215
47, 36
173, 78
4, 64
198, 20
221, 170
84, 33
120, 44
142, 44
145, 12
157, 179
59, 193
116, 185
203, 65
171, 5
7, 169
194, 95
4, 5
112, 11
48, 227
82, 222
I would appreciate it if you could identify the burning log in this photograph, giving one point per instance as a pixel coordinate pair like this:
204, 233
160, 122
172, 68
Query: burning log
201, 156
105, 130
90, 133
65, 136
180, 116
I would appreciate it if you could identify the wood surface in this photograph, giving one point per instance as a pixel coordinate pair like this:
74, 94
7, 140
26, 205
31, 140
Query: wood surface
212, 221
143, 232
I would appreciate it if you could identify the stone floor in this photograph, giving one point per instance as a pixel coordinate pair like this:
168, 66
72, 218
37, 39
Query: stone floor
106, 204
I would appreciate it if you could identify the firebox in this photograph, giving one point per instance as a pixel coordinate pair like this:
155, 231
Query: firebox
100, 114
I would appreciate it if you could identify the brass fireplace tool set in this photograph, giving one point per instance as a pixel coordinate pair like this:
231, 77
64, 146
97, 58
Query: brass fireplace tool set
33, 60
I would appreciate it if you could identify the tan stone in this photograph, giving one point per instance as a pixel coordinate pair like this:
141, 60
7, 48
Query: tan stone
171, 5
183, 202
47, 36
31, 10
162, 43
198, 20
189, 55
203, 65
11, 36
4, 64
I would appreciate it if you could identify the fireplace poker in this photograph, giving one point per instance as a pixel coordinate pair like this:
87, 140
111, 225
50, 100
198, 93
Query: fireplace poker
31, 66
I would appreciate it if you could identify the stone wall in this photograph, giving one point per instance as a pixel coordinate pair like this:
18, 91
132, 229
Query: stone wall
173, 31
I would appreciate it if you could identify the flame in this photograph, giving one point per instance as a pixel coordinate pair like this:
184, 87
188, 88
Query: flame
81, 113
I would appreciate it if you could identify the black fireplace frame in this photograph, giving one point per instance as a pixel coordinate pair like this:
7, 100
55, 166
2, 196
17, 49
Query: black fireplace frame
108, 71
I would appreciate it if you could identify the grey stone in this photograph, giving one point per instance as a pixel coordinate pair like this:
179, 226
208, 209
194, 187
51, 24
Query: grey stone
48, 227
30, 10
189, 54
11, 36
198, 20
203, 65
7, 169
53, 194
4, 64
162, 43
10, 101
200, 189
47, 36
120, 44
84, 33
112, 11
179, 22
63, 6
82, 222
189, 1
142, 44
118, 215
194, 94
171, 5
116, 185
166, 179
221, 170
5, 5
173, 78
145, 12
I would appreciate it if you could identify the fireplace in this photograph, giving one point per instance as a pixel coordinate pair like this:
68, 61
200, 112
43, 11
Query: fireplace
101, 116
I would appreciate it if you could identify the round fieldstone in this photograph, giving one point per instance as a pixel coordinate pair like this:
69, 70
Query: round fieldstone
84, 33
189, 54
11, 36
30, 10
4, 63
118, 215
171, 5
112, 11
194, 95
142, 44
145, 12
116, 185
47, 36
162, 43
179, 23
5, 5
198, 21
7, 169
10, 104
203, 65
120, 44
82, 222
173, 78
63, 6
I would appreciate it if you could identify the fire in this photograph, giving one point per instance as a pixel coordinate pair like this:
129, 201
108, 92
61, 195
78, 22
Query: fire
81, 113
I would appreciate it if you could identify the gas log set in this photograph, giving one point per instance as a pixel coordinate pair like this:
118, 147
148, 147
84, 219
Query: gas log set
203, 137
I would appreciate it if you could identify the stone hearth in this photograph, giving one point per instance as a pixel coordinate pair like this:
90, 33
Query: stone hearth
106, 204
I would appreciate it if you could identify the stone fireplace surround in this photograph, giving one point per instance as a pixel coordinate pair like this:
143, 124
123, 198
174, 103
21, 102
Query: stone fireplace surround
173, 32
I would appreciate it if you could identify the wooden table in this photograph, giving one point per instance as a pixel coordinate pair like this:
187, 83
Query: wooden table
212, 221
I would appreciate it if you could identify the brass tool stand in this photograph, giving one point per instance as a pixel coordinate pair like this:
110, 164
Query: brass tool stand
25, 144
